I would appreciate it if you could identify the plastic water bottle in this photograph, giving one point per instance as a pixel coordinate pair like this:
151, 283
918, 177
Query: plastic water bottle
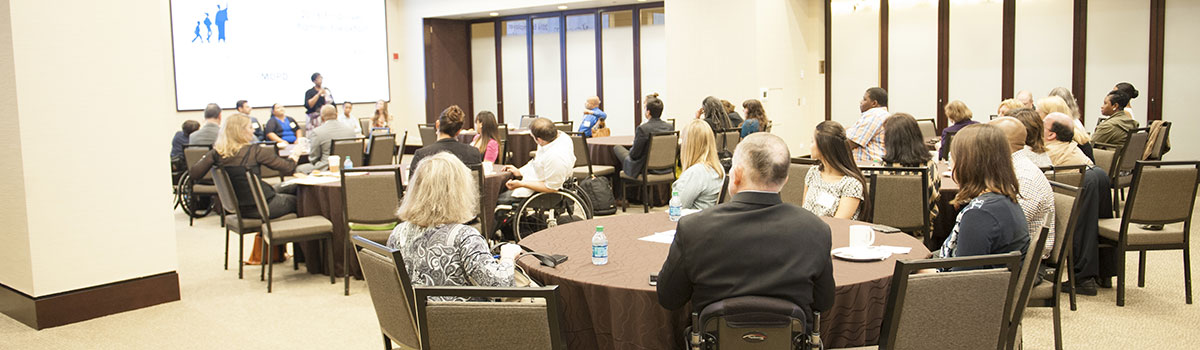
349, 163
599, 247
675, 210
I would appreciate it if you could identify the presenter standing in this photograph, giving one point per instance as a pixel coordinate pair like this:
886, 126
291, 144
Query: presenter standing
314, 98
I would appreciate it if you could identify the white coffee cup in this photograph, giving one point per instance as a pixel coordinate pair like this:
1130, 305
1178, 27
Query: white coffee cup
861, 236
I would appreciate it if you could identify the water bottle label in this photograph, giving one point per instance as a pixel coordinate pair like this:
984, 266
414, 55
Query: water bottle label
600, 251
675, 211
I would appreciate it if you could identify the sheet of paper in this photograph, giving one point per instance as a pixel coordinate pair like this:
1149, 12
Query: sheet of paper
660, 237
686, 212
311, 180
896, 250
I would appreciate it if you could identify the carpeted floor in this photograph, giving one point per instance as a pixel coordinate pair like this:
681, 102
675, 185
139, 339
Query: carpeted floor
305, 311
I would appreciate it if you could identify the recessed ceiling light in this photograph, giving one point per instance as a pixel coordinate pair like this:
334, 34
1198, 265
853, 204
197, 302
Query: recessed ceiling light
494, 14
562, 7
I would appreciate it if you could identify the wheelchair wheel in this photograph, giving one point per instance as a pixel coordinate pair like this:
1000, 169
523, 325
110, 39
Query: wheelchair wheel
193, 205
545, 210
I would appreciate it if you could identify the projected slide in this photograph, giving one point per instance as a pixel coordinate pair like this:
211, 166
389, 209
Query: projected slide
265, 51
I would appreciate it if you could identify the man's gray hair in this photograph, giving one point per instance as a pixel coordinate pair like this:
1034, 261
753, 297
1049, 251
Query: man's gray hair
212, 111
765, 159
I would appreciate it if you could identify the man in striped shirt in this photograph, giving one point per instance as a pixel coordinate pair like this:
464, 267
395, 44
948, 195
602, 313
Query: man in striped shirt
866, 136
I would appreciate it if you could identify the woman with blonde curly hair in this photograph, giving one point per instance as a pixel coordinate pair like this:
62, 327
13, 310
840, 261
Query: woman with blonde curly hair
438, 249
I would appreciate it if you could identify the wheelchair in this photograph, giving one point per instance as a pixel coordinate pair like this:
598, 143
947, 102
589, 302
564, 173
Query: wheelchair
752, 322
195, 205
544, 210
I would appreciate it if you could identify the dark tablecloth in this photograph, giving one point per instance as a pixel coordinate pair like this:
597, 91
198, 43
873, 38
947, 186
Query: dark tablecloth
326, 200
600, 149
614, 307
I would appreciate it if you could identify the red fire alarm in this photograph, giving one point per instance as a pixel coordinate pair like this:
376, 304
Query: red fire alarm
395, 56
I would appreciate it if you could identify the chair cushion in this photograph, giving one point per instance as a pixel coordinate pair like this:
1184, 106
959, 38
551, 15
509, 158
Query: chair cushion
299, 228
380, 237
668, 177
599, 170
1170, 234
250, 225
1042, 291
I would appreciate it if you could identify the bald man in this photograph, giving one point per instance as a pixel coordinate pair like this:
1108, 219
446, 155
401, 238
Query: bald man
592, 115
1059, 134
1026, 98
1037, 198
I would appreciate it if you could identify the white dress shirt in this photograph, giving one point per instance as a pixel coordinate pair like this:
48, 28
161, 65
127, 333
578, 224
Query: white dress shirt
1037, 198
552, 164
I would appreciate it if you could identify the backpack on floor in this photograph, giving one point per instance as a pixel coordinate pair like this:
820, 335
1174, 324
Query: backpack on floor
599, 194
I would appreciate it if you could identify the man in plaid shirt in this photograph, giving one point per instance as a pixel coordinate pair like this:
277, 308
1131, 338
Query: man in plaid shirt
866, 136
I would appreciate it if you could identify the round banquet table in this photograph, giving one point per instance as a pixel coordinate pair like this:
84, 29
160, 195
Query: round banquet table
600, 150
614, 307
326, 200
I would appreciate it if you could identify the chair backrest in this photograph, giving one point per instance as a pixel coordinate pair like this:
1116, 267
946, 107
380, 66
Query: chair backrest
381, 149
193, 153
502, 131
365, 125
663, 151
564, 126
349, 148
905, 191
582, 154
526, 120
267, 172
1069, 175
1066, 218
428, 134
391, 291
928, 128
260, 202
1020, 293
724, 197
751, 322
477, 325
950, 310
478, 173
1158, 144
1160, 190
370, 198
225, 192
727, 140
944, 152
1131, 152
400, 147
502, 156
1104, 159
793, 191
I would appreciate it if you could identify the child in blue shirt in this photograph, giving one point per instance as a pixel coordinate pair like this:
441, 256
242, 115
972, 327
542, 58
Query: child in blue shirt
591, 115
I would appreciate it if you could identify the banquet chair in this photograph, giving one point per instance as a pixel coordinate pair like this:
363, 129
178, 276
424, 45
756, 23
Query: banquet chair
928, 129
583, 159
271, 176
793, 191
566, 126
1068, 175
381, 150
899, 198
771, 323
661, 154
399, 152
1026, 278
279, 231
1158, 143
482, 216
1123, 159
1067, 208
944, 151
482, 325
349, 148
728, 139
369, 202
391, 293
234, 221
949, 310
1157, 196
189, 190
724, 197
365, 125
503, 156
428, 134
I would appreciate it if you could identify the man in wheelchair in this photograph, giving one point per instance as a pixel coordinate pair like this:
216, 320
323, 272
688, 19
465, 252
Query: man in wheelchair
546, 173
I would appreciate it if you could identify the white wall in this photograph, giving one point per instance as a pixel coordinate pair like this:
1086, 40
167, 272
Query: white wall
708, 54
975, 55
912, 58
1181, 59
1042, 47
617, 56
16, 266
854, 62
1118, 43
99, 204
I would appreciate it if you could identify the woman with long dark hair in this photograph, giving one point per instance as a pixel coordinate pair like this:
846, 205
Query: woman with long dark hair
836, 186
488, 138
903, 143
756, 118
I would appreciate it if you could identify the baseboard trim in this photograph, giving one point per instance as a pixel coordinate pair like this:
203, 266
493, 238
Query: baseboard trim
84, 304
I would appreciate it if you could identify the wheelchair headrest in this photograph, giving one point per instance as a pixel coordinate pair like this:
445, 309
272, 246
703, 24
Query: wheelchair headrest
754, 311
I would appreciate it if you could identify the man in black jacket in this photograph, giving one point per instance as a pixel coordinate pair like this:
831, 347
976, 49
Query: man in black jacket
753, 245
634, 159
449, 123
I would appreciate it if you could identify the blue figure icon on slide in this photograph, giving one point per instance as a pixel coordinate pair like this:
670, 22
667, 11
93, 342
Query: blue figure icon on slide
222, 16
198, 33
208, 25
